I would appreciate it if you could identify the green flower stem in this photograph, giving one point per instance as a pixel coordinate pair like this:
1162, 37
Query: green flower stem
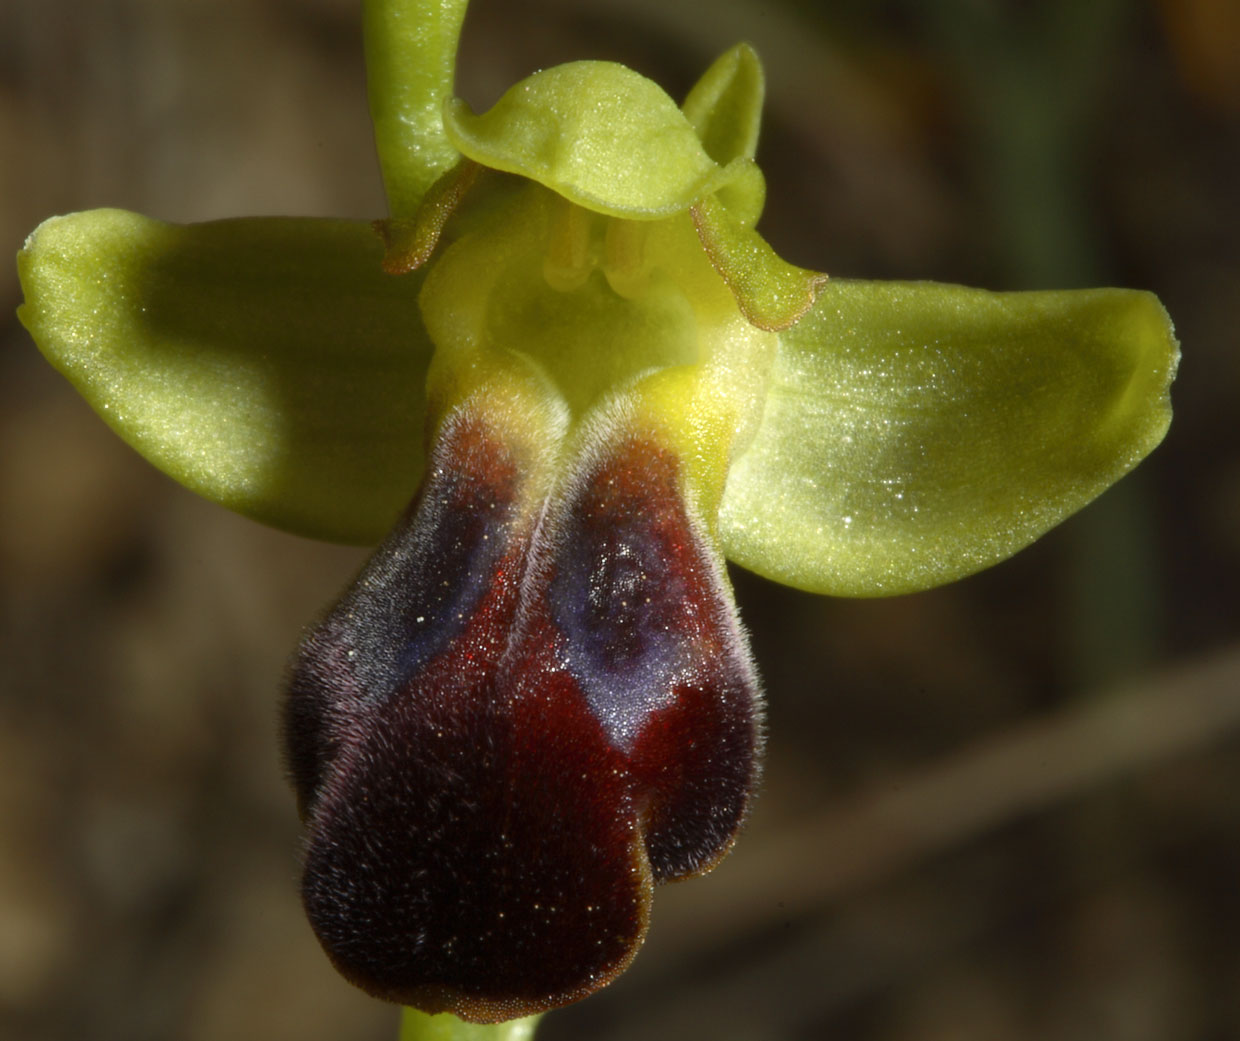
410, 69
418, 1026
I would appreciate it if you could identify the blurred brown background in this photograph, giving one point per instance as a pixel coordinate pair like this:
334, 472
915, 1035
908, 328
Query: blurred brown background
1004, 810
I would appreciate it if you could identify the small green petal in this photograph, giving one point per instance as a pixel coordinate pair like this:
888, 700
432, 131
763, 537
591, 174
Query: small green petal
916, 433
725, 105
266, 364
771, 293
597, 133
410, 241
410, 67
418, 1026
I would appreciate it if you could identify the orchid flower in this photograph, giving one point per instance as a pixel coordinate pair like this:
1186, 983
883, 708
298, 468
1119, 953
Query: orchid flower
560, 385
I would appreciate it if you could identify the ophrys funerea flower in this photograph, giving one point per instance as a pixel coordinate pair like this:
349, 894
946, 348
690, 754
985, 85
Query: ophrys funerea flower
569, 379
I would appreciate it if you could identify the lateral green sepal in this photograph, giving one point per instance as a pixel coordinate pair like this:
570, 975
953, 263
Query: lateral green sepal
267, 364
915, 433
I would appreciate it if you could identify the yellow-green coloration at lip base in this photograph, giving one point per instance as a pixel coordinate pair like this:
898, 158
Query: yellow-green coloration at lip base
570, 379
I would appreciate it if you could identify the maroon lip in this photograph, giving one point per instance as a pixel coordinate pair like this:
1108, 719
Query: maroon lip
514, 723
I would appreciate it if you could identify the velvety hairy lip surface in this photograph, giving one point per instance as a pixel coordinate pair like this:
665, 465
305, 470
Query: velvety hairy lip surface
650, 635
456, 547
515, 721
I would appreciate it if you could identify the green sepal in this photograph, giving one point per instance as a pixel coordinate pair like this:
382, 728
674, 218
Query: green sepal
410, 67
915, 433
419, 1026
771, 293
267, 364
599, 134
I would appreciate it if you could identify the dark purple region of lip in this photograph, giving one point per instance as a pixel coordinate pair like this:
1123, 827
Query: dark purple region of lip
413, 598
480, 856
694, 767
648, 631
487, 812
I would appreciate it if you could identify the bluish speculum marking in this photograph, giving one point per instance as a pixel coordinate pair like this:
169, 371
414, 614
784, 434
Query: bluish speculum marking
623, 592
413, 599
648, 631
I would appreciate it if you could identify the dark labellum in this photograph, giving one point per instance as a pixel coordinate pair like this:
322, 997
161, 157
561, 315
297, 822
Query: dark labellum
525, 711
